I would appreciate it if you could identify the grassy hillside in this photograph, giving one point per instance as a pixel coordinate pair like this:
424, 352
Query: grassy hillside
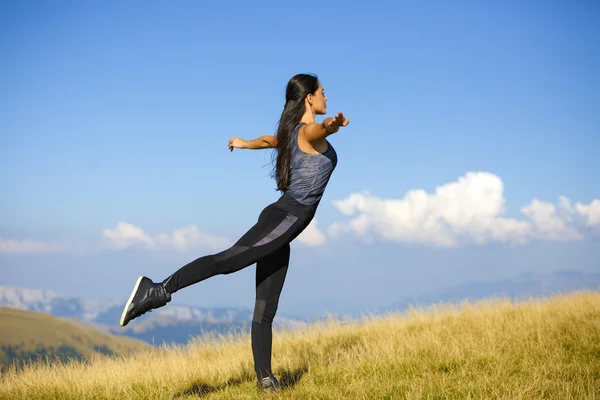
26, 336
492, 349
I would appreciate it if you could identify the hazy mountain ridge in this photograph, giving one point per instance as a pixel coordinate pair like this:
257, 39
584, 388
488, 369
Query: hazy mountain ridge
518, 287
178, 324
109, 312
174, 323
51, 302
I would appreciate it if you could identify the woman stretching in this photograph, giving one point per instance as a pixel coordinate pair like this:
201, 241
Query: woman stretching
305, 162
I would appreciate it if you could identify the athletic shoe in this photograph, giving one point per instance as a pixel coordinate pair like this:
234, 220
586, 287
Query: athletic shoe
268, 384
146, 295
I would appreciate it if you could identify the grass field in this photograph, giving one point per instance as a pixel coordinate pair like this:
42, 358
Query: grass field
494, 349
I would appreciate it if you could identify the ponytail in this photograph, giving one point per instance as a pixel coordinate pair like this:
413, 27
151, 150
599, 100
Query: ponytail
298, 88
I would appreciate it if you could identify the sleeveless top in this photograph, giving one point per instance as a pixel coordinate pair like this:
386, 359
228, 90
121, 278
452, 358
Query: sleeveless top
309, 173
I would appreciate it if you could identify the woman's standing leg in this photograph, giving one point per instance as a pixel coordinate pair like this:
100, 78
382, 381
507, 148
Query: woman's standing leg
270, 276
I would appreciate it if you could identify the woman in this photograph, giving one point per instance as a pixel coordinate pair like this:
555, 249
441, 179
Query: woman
305, 162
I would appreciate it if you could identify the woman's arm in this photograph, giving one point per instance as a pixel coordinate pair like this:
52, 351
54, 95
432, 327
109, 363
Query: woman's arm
262, 142
315, 131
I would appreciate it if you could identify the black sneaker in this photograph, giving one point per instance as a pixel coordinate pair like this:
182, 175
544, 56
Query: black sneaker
146, 295
269, 384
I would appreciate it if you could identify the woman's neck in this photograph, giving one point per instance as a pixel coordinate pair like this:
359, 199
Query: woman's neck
308, 117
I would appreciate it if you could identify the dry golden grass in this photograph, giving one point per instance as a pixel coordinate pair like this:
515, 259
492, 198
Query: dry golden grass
494, 349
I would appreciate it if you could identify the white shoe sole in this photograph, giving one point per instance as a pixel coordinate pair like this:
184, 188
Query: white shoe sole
135, 288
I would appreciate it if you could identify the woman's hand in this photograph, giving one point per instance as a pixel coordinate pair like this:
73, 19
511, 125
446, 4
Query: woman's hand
236, 142
336, 122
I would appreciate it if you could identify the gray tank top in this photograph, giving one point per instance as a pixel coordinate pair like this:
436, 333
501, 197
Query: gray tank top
309, 173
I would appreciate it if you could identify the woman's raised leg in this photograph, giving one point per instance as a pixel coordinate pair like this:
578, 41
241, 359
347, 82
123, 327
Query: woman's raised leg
275, 228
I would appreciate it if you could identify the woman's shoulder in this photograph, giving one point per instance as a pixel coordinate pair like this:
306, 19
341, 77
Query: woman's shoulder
299, 129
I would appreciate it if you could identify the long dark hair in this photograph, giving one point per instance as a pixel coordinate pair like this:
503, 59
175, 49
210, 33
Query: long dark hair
298, 87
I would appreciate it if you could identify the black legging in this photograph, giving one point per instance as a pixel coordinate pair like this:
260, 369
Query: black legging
267, 244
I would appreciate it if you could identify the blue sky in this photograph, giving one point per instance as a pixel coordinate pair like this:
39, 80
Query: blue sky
114, 121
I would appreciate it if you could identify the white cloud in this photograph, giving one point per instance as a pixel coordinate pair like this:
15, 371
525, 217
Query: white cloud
552, 222
470, 210
11, 246
590, 212
312, 236
187, 238
125, 235
336, 229
190, 238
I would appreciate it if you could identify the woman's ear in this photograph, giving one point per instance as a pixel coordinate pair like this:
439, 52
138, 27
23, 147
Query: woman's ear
310, 98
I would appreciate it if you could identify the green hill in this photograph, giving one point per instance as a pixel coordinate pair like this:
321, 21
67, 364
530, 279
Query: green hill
28, 336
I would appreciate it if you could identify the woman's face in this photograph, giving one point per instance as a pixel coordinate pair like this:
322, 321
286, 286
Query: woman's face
318, 101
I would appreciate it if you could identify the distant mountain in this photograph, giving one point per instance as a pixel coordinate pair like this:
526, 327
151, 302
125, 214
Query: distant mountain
519, 287
171, 324
31, 335
179, 324
53, 303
